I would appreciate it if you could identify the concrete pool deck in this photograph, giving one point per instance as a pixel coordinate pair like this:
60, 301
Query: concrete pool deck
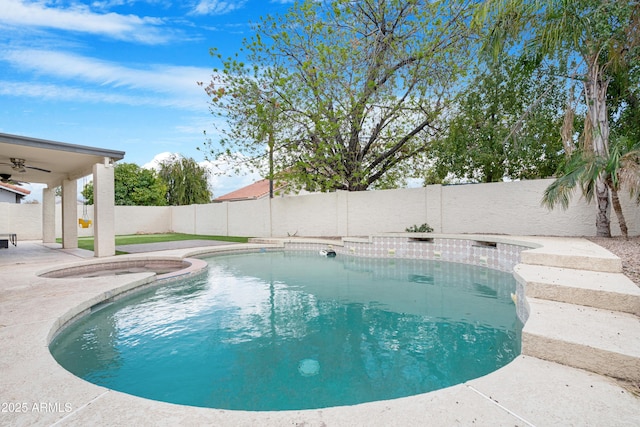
570, 286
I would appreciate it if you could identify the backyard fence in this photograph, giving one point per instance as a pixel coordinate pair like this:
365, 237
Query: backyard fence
499, 208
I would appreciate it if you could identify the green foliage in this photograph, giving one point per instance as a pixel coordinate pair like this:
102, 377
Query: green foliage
134, 186
620, 170
603, 34
345, 95
424, 228
624, 101
506, 125
187, 182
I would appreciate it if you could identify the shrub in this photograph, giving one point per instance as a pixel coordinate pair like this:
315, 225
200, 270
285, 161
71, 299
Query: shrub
424, 228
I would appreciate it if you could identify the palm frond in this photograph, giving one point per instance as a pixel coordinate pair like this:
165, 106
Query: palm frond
629, 172
561, 190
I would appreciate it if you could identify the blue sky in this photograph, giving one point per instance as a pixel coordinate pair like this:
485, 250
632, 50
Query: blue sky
119, 74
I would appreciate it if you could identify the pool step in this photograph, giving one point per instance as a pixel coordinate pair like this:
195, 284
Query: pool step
598, 340
612, 291
583, 312
580, 254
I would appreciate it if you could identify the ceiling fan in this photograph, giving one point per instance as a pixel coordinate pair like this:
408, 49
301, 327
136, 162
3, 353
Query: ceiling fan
19, 165
6, 179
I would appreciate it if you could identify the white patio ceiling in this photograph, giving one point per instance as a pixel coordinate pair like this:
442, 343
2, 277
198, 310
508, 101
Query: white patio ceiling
62, 160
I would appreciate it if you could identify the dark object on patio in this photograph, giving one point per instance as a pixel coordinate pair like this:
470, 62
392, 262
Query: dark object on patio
6, 238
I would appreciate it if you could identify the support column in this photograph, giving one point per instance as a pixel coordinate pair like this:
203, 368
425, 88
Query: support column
104, 210
48, 215
69, 214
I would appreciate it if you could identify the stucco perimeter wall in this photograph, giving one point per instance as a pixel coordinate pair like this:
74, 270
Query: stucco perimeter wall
143, 219
393, 210
513, 208
183, 219
309, 215
499, 208
250, 218
24, 220
128, 220
210, 220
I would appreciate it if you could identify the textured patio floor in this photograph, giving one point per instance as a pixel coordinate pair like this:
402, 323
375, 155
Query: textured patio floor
530, 391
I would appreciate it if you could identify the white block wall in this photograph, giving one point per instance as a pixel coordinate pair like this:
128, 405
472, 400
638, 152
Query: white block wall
499, 208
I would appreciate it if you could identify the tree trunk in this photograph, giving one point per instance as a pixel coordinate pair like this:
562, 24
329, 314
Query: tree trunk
617, 207
603, 217
596, 94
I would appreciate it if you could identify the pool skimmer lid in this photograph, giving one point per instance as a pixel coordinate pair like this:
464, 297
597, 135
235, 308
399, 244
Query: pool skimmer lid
309, 367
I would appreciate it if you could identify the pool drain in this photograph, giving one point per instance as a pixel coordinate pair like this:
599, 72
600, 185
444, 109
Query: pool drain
309, 367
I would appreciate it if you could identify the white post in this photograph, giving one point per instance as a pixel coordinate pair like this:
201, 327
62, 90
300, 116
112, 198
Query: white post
69, 214
104, 210
48, 215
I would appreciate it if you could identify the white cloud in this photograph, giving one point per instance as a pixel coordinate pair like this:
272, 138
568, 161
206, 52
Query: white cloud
74, 94
158, 77
80, 18
217, 7
180, 82
159, 158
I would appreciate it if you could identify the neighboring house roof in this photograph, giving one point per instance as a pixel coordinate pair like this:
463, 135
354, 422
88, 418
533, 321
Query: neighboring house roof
257, 190
14, 189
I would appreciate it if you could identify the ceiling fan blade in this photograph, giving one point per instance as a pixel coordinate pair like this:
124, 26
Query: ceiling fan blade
38, 169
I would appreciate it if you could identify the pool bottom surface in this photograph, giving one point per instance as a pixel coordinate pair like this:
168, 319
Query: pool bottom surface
281, 331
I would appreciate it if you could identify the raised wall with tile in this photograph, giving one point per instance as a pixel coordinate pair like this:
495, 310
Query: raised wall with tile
474, 251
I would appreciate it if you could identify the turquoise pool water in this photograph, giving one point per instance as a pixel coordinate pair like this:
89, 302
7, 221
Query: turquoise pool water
280, 330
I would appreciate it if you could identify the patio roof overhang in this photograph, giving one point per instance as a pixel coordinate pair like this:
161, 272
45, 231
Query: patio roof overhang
63, 161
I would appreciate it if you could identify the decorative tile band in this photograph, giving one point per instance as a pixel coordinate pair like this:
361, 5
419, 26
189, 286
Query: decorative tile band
495, 255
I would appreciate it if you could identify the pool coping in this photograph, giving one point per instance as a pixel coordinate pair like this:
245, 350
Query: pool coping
32, 307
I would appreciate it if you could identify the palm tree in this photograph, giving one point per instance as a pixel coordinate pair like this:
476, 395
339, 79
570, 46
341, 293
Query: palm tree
602, 33
619, 170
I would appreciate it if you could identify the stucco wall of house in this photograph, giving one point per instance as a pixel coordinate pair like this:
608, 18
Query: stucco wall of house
7, 196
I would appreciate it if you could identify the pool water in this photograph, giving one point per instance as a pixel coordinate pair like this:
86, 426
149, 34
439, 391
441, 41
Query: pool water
281, 330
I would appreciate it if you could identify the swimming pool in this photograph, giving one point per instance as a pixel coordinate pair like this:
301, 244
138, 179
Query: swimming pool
280, 330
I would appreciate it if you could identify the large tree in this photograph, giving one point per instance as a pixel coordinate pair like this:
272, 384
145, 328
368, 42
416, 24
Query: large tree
187, 182
343, 94
134, 186
504, 125
601, 34
621, 168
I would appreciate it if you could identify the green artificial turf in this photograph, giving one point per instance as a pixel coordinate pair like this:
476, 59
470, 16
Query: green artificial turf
87, 242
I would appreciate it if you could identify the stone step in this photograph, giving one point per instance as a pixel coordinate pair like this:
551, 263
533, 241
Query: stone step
601, 341
611, 291
580, 254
